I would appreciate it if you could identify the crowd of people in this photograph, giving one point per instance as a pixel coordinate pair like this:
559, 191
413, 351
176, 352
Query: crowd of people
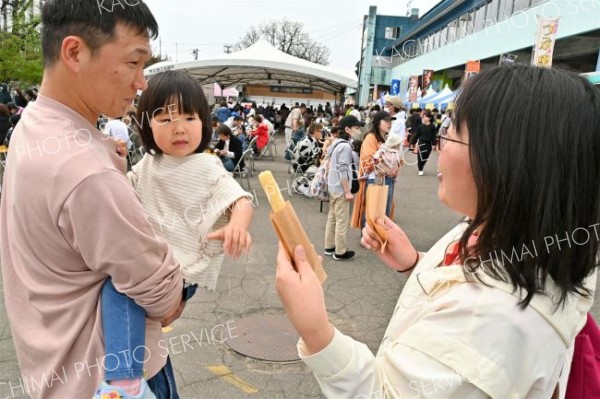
12, 103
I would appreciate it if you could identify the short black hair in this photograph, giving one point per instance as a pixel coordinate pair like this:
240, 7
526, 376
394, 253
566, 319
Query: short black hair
533, 145
238, 118
171, 88
92, 21
224, 130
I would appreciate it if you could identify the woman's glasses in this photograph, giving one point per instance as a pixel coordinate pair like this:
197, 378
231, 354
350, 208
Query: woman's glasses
444, 139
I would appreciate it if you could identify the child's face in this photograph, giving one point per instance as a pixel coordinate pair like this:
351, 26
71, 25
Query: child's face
176, 134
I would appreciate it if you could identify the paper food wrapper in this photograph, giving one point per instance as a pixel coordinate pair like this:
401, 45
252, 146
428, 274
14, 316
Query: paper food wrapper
290, 232
376, 201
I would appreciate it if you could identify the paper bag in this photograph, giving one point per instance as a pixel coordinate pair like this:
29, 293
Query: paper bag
291, 234
376, 201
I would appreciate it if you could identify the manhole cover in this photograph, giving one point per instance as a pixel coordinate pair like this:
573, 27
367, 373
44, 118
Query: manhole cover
266, 337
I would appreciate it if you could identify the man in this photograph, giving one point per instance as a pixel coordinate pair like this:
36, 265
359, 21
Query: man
393, 105
235, 123
294, 122
339, 186
78, 221
229, 148
223, 113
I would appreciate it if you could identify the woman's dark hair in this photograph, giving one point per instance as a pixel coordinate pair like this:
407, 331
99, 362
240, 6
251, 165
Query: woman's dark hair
258, 118
356, 145
93, 21
31, 94
4, 110
533, 145
165, 91
224, 130
377, 118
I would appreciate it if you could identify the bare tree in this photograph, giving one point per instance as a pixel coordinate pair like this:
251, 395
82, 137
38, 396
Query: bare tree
289, 37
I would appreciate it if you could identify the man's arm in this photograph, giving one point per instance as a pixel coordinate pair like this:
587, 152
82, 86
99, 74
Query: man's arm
103, 220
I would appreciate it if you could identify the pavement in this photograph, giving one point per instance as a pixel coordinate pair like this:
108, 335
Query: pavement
360, 295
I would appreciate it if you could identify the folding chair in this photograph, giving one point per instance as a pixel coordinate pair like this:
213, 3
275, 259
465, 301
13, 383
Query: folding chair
244, 173
251, 157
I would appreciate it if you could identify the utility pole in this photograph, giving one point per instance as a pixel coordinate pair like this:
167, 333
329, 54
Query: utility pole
176, 50
227, 48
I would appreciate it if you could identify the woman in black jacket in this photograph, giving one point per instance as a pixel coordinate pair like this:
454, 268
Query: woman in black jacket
424, 137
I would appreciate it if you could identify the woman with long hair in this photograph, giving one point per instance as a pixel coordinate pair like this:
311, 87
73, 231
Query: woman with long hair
381, 123
493, 308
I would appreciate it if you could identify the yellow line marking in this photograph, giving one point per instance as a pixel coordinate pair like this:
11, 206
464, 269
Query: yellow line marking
167, 329
225, 373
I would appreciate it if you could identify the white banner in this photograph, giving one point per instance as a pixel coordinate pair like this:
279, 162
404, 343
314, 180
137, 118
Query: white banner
544, 44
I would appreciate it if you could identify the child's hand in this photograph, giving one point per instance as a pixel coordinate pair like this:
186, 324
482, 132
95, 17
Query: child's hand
235, 239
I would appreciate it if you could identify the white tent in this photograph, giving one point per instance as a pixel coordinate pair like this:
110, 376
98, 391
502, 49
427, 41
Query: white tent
262, 64
430, 94
442, 94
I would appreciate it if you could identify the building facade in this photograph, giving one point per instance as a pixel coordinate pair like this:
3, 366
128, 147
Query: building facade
379, 33
457, 31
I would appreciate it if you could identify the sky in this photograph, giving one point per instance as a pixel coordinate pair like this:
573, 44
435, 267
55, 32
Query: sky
208, 25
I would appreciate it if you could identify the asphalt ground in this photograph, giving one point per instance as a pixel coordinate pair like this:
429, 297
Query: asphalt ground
360, 296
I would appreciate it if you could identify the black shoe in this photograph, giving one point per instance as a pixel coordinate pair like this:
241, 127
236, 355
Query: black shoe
329, 251
345, 256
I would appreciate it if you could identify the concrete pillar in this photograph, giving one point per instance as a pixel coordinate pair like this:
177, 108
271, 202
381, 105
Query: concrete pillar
364, 80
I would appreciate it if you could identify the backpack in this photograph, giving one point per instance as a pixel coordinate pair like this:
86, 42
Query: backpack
318, 185
584, 377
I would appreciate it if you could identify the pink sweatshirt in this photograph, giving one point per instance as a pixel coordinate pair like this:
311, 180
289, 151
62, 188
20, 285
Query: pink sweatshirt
69, 219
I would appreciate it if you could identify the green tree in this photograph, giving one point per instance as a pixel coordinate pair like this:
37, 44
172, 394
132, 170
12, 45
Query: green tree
20, 47
289, 37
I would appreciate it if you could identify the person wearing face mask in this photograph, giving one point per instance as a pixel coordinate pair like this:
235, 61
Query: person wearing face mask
393, 106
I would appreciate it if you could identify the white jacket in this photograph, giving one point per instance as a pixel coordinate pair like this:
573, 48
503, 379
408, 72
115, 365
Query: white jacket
452, 339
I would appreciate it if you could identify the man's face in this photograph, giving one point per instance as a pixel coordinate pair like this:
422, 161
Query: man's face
111, 78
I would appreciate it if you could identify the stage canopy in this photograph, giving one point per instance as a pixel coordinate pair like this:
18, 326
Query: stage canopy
262, 64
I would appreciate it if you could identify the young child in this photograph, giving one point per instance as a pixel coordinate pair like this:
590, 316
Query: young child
190, 200
388, 158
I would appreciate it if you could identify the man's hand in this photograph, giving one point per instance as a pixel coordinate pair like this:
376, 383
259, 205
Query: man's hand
121, 147
235, 239
169, 319
349, 196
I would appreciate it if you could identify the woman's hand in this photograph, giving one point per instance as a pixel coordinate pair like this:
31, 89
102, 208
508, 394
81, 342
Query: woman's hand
302, 297
399, 253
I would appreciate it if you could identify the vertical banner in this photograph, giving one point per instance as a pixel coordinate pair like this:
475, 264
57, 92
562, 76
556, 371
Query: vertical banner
507, 59
427, 75
413, 86
544, 43
395, 87
472, 68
